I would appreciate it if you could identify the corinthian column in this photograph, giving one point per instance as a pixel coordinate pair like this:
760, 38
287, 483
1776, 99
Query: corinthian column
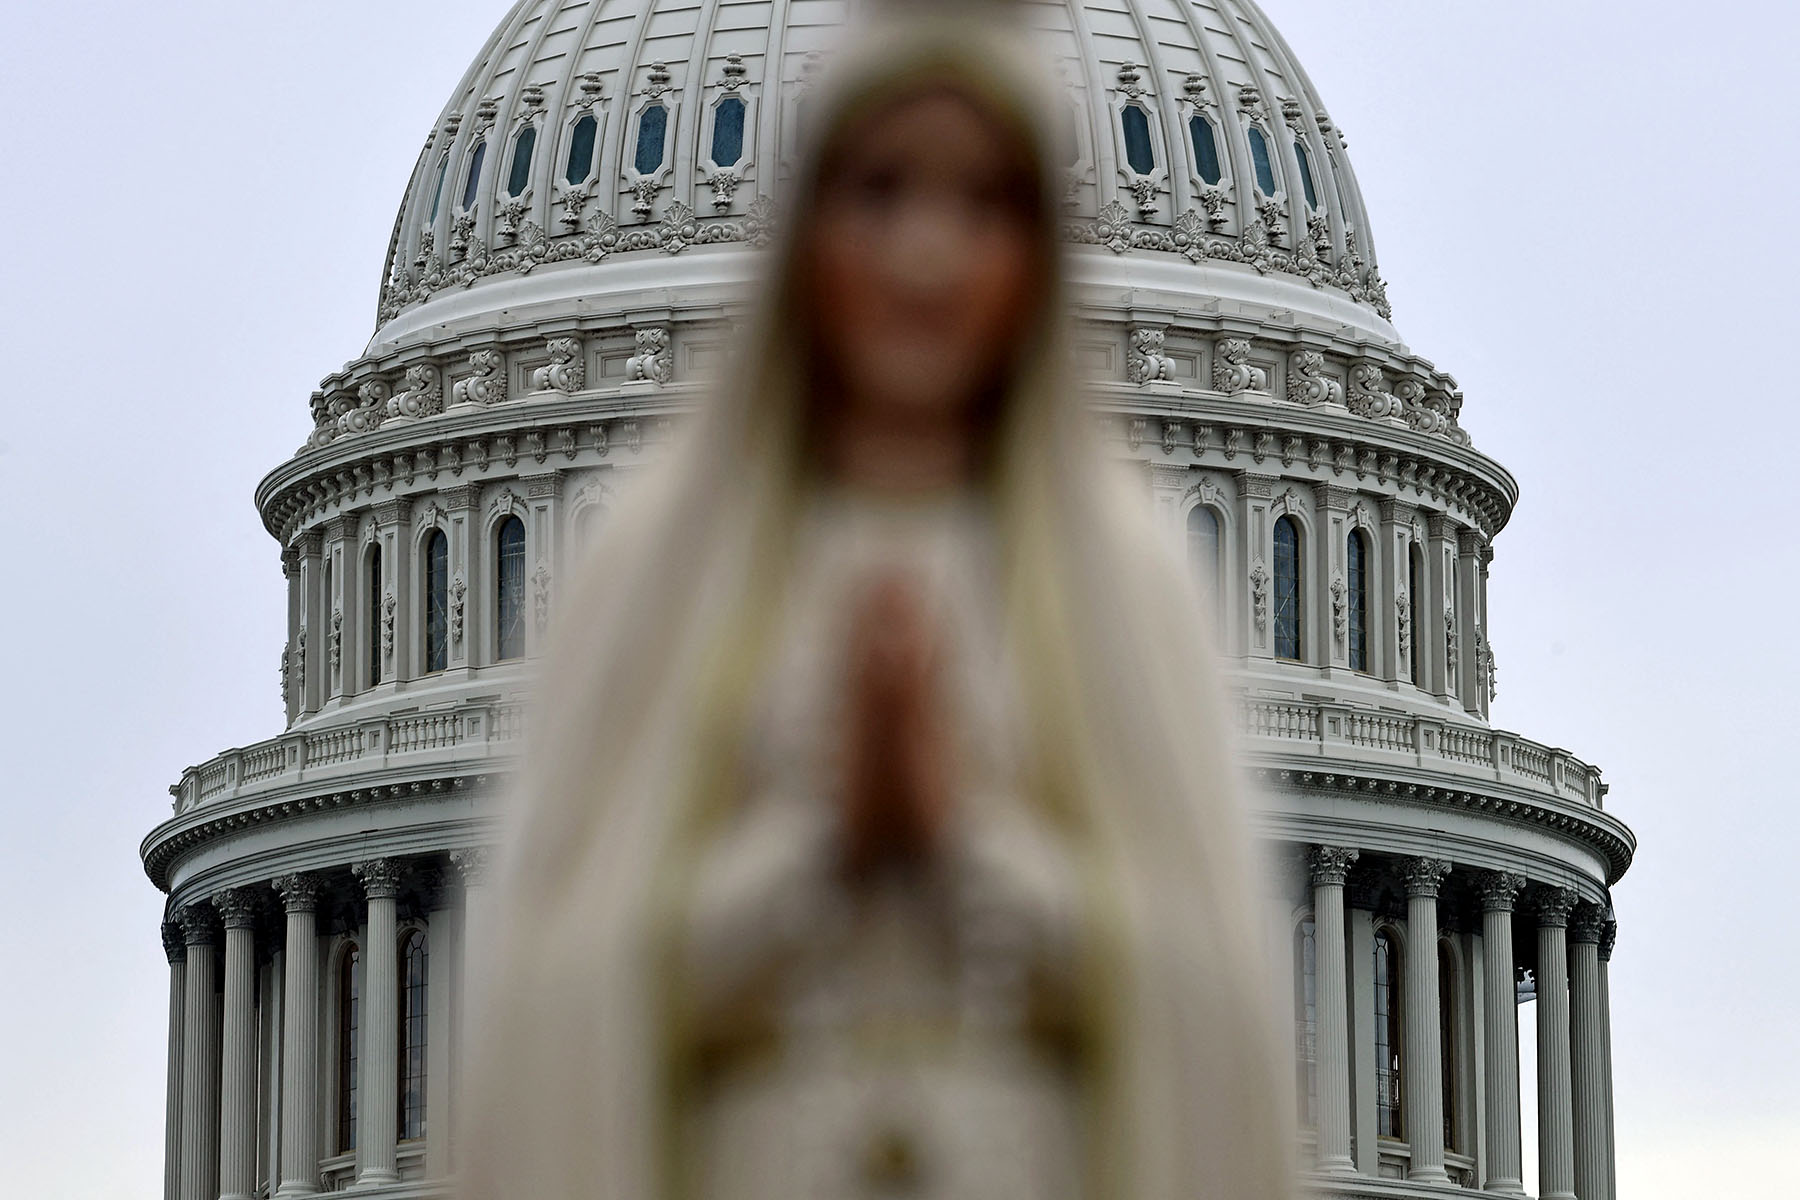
1424, 1059
1556, 1120
1500, 1040
199, 1058
237, 1103
300, 1037
176, 948
1330, 867
1587, 1061
1606, 948
376, 1161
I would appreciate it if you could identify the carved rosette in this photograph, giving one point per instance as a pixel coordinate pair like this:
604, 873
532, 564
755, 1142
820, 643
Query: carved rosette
380, 877
1330, 865
1499, 890
1424, 876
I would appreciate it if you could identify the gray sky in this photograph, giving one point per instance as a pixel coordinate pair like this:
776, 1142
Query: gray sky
1583, 210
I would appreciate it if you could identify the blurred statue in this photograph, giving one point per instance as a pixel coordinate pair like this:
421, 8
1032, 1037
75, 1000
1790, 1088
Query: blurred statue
877, 834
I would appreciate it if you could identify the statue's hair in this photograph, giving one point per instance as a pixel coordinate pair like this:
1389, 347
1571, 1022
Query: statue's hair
643, 690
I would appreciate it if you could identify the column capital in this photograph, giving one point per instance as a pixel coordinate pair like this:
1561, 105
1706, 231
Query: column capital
1423, 876
240, 906
174, 945
1330, 864
380, 877
1587, 923
1552, 905
1607, 935
299, 891
472, 864
199, 924
1499, 890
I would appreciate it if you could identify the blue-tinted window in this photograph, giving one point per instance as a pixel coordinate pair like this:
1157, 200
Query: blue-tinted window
728, 132
653, 125
1206, 148
1287, 588
1306, 183
1259, 158
437, 188
1356, 556
520, 178
509, 607
1138, 153
437, 601
472, 186
581, 149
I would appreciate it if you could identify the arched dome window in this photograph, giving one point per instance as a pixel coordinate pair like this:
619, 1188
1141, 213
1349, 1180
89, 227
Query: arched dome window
581, 149
472, 184
520, 177
349, 1014
437, 601
374, 625
1206, 148
410, 1070
1306, 1022
1259, 159
728, 132
1389, 1046
1140, 156
1287, 588
1203, 552
1306, 179
437, 188
653, 129
1415, 578
1356, 566
1447, 1044
509, 598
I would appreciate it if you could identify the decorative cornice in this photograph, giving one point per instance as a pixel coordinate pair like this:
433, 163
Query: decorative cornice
1329, 866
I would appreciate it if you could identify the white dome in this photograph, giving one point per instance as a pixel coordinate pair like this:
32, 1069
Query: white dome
1199, 139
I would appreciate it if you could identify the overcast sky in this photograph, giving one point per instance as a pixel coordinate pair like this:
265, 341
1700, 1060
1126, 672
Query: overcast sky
1585, 211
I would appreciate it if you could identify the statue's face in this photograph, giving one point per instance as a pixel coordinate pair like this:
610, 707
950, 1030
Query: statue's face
923, 260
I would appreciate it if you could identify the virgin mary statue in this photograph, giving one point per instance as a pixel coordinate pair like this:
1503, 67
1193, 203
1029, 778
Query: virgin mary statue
877, 833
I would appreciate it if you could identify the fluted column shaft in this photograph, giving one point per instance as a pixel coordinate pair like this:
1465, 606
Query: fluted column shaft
376, 1150
1556, 1119
1612, 1159
237, 1076
1500, 1040
1587, 1061
176, 949
1331, 1063
471, 867
300, 1038
1424, 1065
199, 1058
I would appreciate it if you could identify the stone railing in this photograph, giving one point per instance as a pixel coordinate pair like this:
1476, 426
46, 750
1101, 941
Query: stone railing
1472, 752
468, 732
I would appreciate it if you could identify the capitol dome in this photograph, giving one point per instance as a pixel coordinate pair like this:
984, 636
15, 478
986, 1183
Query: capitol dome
567, 260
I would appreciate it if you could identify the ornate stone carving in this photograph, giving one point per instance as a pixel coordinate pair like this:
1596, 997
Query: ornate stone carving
1499, 890
424, 394
1134, 432
1423, 876
1147, 363
381, 877
1403, 623
1450, 642
1587, 922
366, 414
335, 641
199, 924
1340, 609
1330, 864
540, 596
1171, 431
1259, 595
472, 864
458, 590
1553, 904
1608, 936
486, 383
565, 371
1307, 382
300, 666
1232, 370
654, 361
173, 944
239, 906
388, 607
1369, 395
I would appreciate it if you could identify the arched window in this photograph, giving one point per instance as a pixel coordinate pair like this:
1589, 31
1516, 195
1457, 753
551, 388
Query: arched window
1203, 550
375, 614
728, 132
509, 597
1139, 155
1356, 566
1206, 148
1259, 158
1306, 1021
1415, 578
410, 1071
1287, 588
437, 601
1447, 1043
349, 1005
653, 128
472, 185
1306, 180
437, 189
581, 149
523, 145
587, 524
1389, 1047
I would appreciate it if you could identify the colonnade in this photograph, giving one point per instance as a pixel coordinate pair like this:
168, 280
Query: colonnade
223, 1077
1574, 1061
